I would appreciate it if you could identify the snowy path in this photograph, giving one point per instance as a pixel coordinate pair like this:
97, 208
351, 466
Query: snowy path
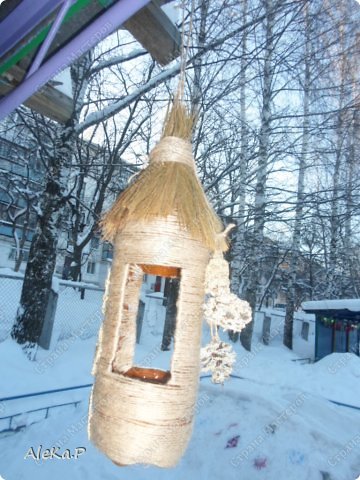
274, 424
242, 430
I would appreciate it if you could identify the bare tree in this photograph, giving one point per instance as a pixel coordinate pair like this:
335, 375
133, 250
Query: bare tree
42, 255
87, 113
299, 210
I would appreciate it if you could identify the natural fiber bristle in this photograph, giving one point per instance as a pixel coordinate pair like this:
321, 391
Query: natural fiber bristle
169, 186
164, 189
179, 122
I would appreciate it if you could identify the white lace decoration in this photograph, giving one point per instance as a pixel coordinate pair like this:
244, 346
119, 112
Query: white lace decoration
222, 309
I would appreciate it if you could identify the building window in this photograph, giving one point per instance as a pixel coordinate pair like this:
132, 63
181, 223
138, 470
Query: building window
107, 251
37, 163
90, 268
305, 330
94, 243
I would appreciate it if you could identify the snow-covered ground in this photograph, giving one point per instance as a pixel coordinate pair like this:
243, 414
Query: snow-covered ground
275, 422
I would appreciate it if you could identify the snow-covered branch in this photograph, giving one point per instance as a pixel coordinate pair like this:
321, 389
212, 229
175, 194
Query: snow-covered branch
117, 60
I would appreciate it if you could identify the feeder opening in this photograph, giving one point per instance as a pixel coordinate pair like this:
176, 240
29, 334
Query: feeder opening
146, 335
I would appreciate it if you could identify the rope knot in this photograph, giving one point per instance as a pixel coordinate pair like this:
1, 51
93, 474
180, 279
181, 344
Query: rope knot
173, 149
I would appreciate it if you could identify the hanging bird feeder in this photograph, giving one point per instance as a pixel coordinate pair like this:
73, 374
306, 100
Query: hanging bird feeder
162, 224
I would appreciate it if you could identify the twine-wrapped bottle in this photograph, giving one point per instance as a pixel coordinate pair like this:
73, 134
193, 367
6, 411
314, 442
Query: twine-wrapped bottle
161, 222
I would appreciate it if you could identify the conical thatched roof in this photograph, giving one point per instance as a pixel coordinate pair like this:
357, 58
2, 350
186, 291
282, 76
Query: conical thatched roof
169, 186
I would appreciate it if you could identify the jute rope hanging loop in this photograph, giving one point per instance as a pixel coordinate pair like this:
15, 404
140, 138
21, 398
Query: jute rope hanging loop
162, 221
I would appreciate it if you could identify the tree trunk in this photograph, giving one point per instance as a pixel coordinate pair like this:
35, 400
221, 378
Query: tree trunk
40, 267
196, 91
75, 268
41, 264
261, 176
22, 241
349, 249
238, 243
18, 252
18, 261
296, 239
172, 290
332, 288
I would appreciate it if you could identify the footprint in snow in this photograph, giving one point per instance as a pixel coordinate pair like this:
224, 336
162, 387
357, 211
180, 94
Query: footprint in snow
232, 442
260, 463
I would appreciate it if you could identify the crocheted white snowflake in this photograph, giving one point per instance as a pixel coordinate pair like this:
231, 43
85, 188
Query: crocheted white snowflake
223, 308
218, 358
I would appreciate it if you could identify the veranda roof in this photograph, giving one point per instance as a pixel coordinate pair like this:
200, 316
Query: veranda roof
39, 38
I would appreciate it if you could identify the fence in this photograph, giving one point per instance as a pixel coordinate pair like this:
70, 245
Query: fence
78, 314
78, 308
18, 420
269, 327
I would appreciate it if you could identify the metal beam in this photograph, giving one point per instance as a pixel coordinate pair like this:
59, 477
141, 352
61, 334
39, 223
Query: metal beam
22, 20
31, 41
50, 37
100, 28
